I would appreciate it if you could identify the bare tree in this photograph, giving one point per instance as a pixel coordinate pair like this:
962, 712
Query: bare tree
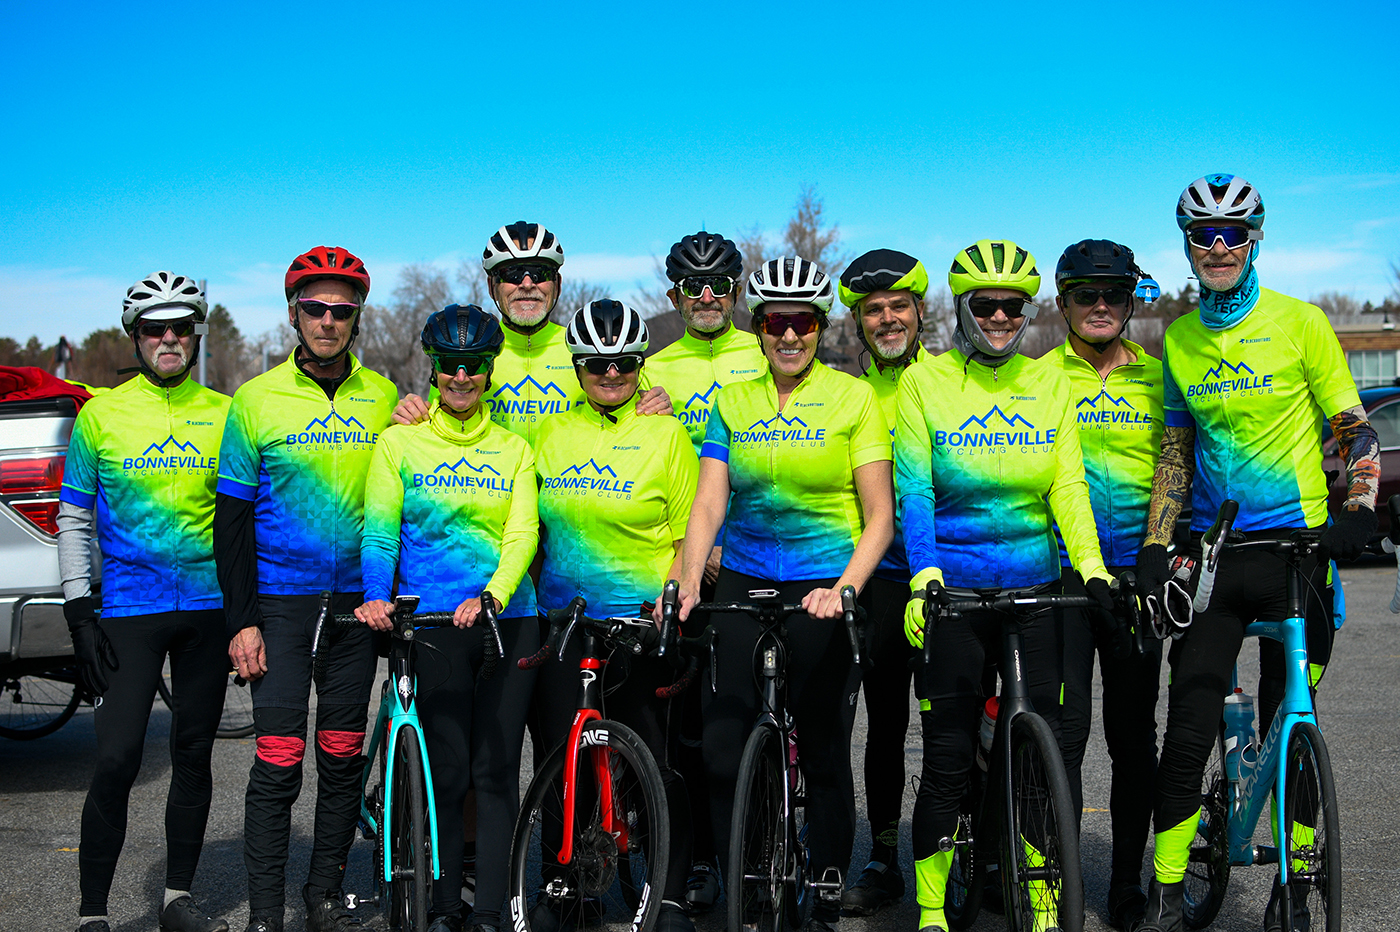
1339, 308
575, 294
229, 362
389, 334
939, 321
808, 236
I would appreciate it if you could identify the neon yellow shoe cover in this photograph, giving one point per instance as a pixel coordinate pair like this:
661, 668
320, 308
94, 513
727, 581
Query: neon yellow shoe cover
1172, 850
1043, 902
931, 883
1315, 671
1303, 836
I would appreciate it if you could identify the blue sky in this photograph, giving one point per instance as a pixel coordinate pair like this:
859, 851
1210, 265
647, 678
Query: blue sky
219, 140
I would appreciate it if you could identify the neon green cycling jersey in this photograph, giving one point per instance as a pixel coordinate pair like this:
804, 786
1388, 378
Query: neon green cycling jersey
895, 564
534, 378
693, 371
1257, 394
1120, 434
450, 509
301, 459
145, 460
987, 461
615, 495
793, 508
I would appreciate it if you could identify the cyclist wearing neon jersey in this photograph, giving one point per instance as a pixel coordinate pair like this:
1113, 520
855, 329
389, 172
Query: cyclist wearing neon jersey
988, 458
1116, 394
287, 524
885, 291
531, 381
708, 275
449, 513
1248, 378
615, 494
796, 467
141, 473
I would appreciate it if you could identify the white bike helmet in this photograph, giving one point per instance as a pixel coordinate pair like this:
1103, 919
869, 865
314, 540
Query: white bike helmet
791, 279
1220, 197
163, 296
606, 328
514, 242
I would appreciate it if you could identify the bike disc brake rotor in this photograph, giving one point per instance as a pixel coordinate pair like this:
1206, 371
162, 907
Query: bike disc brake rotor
595, 856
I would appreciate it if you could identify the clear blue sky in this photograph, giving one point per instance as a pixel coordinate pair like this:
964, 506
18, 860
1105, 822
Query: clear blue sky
219, 140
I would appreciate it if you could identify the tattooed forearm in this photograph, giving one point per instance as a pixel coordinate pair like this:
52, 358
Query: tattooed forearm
1359, 448
1171, 483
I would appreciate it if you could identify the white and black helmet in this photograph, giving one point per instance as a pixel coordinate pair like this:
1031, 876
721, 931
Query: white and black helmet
606, 328
791, 279
519, 241
163, 296
1220, 198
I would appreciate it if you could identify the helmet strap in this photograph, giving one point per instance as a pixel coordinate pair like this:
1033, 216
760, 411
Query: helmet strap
161, 381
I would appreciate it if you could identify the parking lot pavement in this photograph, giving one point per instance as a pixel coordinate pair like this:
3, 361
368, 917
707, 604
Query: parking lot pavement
43, 783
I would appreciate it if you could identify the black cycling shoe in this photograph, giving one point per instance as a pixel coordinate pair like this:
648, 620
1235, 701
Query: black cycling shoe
1273, 913
326, 912
545, 917
1127, 904
446, 924
820, 925
267, 922
672, 918
485, 927
95, 925
183, 916
878, 886
1165, 907
701, 888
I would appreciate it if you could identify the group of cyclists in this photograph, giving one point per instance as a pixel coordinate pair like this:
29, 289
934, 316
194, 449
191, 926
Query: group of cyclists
552, 461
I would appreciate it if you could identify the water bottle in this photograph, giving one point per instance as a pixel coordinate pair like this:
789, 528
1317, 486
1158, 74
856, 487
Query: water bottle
985, 733
1239, 731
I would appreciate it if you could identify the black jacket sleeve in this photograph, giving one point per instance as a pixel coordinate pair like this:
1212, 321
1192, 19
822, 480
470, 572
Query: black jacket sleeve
236, 559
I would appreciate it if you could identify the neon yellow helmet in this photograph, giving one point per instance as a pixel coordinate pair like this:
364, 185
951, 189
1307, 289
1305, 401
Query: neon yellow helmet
990, 263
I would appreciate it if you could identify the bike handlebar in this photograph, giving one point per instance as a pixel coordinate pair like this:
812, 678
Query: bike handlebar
407, 622
771, 606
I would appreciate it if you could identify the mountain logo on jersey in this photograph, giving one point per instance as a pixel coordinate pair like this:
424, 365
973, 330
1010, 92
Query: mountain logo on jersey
333, 430
1241, 379
793, 430
156, 456
602, 481
519, 405
1106, 415
692, 415
463, 475
991, 435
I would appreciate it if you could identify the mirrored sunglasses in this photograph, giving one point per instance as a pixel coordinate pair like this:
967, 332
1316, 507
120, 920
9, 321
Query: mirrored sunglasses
775, 325
694, 286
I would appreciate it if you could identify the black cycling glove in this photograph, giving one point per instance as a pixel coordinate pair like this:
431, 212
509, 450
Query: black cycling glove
91, 646
1348, 536
1152, 569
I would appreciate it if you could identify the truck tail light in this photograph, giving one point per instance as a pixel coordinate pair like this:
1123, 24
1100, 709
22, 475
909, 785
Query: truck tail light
30, 485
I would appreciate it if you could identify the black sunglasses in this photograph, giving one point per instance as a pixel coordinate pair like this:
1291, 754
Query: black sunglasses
317, 309
1232, 237
157, 328
599, 365
515, 274
694, 286
1088, 297
981, 306
473, 365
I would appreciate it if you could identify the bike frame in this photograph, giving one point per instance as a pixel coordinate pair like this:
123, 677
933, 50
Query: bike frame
590, 703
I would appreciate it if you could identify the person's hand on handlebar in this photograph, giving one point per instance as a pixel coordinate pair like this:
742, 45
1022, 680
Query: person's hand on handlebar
377, 614
914, 611
823, 603
469, 611
248, 654
1349, 534
689, 598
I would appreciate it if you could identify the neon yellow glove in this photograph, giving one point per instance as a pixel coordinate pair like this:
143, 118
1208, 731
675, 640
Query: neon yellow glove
914, 611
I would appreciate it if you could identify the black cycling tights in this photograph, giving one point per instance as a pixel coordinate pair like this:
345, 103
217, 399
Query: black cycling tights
886, 683
199, 665
475, 729
1249, 586
822, 688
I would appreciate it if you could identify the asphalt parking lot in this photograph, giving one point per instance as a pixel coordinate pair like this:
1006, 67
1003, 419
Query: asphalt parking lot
43, 783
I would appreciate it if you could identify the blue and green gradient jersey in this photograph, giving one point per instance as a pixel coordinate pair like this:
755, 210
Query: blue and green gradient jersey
987, 462
1120, 434
144, 459
450, 506
615, 496
1257, 395
693, 371
895, 564
301, 459
793, 508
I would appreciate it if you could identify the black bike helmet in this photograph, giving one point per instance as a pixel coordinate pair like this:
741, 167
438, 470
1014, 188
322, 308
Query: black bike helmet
462, 329
704, 254
1096, 258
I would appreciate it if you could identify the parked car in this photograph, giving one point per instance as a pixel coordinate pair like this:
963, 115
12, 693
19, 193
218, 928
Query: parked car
1383, 408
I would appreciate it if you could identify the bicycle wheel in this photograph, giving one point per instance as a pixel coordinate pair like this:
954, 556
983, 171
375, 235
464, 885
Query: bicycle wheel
408, 837
34, 706
1208, 868
237, 718
1311, 832
967, 876
1040, 849
617, 869
764, 874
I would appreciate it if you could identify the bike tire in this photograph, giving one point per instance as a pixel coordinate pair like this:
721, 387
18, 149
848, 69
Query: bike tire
1042, 819
1208, 865
1310, 795
967, 875
765, 867
237, 718
604, 886
34, 706
408, 836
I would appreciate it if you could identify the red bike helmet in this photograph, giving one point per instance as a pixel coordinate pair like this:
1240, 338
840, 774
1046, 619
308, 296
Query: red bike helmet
327, 262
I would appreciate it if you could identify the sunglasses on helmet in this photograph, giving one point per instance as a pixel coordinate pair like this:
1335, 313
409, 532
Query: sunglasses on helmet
802, 323
1232, 237
1088, 297
693, 286
449, 364
538, 272
598, 365
982, 306
315, 310
154, 329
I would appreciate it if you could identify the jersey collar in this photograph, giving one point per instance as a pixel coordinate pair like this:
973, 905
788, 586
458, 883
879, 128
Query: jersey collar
449, 428
533, 342
1136, 350
625, 412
